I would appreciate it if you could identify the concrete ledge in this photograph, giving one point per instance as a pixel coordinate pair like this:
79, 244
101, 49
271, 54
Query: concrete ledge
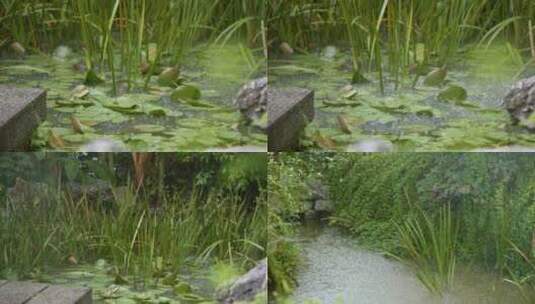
21, 112
37, 293
289, 111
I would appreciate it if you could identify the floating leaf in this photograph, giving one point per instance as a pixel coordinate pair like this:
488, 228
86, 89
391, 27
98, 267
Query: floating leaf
342, 123
186, 92
169, 77
25, 68
77, 125
324, 141
341, 103
436, 77
80, 91
150, 128
55, 141
453, 93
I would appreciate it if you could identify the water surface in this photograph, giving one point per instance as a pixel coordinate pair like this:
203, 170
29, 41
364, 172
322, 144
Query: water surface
336, 270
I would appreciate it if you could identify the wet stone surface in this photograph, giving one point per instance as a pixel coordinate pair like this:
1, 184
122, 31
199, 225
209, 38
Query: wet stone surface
37, 293
21, 112
290, 110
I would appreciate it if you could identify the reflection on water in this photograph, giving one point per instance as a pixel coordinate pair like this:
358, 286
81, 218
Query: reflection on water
337, 271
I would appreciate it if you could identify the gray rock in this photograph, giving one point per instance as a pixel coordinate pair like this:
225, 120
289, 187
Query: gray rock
252, 99
21, 112
318, 198
324, 205
317, 190
520, 101
371, 145
290, 110
247, 287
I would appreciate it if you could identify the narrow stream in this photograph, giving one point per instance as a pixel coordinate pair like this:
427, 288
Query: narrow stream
337, 271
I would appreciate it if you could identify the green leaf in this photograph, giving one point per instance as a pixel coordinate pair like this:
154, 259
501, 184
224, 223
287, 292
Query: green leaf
186, 92
453, 93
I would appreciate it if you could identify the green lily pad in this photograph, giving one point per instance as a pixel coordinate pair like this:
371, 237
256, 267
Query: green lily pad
169, 77
341, 103
453, 93
436, 77
186, 92
150, 128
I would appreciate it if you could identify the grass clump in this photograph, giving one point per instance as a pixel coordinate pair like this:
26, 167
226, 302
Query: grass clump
430, 243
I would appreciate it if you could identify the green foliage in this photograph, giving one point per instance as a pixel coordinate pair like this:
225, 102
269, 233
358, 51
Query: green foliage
430, 243
391, 36
435, 210
133, 231
490, 198
120, 36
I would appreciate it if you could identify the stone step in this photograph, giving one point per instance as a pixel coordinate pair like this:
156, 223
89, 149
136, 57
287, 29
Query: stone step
289, 112
21, 112
38, 293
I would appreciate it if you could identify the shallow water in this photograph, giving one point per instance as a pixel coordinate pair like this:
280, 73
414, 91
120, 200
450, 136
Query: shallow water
149, 121
198, 283
412, 119
338, 271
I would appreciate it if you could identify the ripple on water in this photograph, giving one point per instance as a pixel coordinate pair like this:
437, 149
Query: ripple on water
338, 271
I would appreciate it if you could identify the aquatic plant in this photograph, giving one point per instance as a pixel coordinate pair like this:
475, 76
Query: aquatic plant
132, 231
525, 284
430, 242
396, 37
119, 37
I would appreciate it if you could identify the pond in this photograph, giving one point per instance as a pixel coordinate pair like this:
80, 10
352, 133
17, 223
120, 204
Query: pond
411, 118
337, 270
195, 284
142, 120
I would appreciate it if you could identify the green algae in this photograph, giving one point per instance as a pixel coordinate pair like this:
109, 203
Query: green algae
217, 72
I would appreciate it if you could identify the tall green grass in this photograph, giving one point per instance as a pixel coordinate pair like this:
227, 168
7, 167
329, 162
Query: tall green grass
393, 37
119, 36
130, 234
430, 243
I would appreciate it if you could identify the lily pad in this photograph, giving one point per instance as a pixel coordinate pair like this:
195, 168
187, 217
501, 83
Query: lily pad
453, 93
436, 77
186, 92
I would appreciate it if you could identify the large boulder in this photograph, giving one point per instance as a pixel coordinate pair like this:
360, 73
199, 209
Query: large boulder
520, 102
317, 200
252, 99
247, 287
